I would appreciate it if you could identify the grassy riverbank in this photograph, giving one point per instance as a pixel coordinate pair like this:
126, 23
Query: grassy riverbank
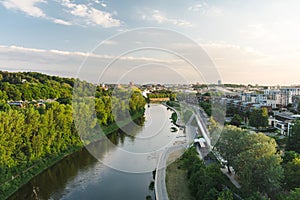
177, 182
22, 176
10, 187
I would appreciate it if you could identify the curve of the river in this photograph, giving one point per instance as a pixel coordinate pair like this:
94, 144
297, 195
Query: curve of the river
82, 176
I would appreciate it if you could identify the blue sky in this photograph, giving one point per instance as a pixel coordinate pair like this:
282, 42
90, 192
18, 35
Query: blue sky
249, 42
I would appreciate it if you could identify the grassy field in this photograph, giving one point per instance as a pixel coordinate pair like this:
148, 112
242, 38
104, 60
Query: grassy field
187, 115
177, 182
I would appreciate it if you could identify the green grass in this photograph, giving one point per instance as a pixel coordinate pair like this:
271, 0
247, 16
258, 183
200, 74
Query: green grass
174, 104
177, 182
194, 122
187, 115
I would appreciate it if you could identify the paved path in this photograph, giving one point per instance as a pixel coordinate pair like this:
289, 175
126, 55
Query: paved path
200, 117
160, 184
231, 176
160, 176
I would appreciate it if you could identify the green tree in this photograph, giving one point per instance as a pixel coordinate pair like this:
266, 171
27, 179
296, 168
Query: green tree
294, 195
231, 110
289, 156
206, 107
11, 143
236, 120
294, 138
225, 195
205, 182
230, 144
292, 174
257, 196
258, 166
259, 118
31, 128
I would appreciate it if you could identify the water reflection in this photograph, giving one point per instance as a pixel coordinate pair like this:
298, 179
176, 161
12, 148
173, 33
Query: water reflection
81, 176
53, 181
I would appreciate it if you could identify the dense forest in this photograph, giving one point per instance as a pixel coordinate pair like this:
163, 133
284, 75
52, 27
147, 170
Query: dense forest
41, 129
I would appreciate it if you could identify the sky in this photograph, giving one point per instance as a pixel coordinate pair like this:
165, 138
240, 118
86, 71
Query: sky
236, 41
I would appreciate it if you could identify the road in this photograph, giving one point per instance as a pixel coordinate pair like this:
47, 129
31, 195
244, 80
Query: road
201, 123
200, 117
191, 132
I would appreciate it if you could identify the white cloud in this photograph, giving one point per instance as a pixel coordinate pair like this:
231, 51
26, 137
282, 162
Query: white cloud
235, 63
67, 63
206, 9
196, 7
103, 5
18, 48
62, 22
161, 19
213, 12
110, 42
91, 15
27, 6
6, 51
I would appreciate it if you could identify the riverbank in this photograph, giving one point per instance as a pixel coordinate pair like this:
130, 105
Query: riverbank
9, 187
167, 155
176, 117
177, 182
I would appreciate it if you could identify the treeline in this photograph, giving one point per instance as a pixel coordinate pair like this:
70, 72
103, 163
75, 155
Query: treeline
162, 94
29, 138
205, 182
32, 135
205, 102
26, 135
33, 86
258, 118
96, 116
263, 170
235, 85
206, 107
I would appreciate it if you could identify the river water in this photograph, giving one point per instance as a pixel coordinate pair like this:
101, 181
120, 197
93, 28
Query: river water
113, 174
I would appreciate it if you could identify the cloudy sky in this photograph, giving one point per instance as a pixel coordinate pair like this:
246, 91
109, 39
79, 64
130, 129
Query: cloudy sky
247, 41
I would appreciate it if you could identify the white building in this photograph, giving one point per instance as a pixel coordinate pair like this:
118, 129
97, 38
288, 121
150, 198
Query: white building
283, 121
287, 94
254, 98
273, 97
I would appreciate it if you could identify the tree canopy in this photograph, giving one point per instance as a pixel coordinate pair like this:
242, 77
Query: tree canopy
259, 118
32, 134
294, 138
254, 159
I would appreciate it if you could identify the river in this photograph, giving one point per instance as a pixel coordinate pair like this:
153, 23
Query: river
113, 175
